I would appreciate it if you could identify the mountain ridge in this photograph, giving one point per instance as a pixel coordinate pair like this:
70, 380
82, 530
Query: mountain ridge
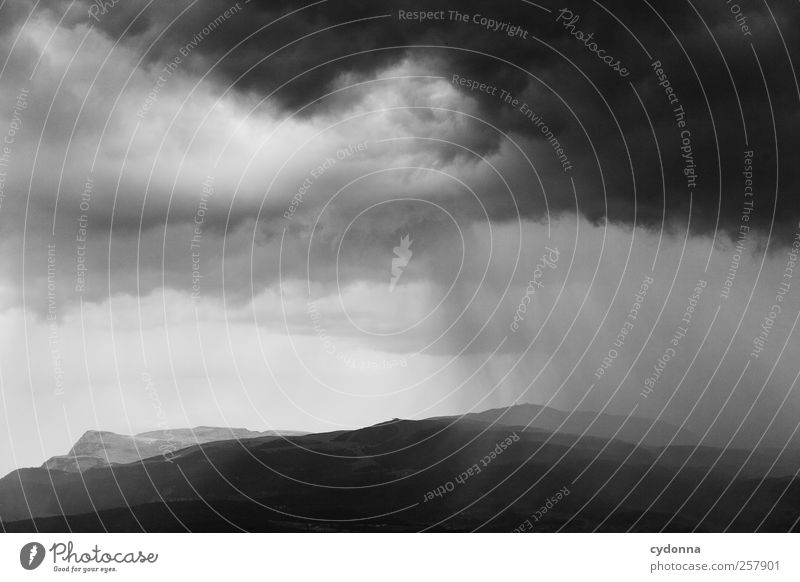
98, 448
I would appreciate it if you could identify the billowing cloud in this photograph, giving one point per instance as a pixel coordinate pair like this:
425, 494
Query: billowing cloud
213, 192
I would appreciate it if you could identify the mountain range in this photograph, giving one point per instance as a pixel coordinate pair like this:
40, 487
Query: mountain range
102, 448
488, 471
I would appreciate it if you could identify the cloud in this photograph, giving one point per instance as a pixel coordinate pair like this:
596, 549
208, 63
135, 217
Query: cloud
595, 116
268, 156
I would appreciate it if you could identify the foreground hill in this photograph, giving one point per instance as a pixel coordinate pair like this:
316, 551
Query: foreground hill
406, 476
592, 424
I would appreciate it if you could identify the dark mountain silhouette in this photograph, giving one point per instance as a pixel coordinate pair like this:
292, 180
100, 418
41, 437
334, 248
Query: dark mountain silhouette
606, 426
383, 478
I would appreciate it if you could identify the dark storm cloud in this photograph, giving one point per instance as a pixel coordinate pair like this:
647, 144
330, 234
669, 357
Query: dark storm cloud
590, 109
596, 112
673, 34
147, 190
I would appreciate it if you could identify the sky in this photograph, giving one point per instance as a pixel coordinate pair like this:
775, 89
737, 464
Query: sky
279, 215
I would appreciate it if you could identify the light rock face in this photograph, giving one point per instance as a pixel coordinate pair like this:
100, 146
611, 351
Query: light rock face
103, 448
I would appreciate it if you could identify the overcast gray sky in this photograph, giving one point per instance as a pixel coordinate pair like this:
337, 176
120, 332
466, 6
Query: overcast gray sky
202, 203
